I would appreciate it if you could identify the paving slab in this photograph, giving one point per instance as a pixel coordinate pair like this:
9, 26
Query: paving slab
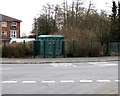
57, 60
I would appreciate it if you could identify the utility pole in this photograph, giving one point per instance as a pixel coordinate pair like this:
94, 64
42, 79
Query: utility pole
36, 29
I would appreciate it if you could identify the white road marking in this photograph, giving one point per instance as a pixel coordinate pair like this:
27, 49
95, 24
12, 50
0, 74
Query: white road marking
5, 69
48, 81
28, 81
67, 81
103, 81
85, 81
9, 81
63, 65
102, 64
117, 80
97, 62
92, 62
62, 81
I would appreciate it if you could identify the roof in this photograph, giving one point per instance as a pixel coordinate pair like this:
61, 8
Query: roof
51, 36
7, 18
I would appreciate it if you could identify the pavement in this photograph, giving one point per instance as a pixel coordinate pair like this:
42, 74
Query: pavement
57, 60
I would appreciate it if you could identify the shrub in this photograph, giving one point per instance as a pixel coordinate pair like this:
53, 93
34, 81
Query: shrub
29, 49
82, 45
96, 49
76, 34
82, 49
17, 50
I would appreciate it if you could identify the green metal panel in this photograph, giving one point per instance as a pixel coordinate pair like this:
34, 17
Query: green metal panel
49, 45
59, 47
37, 47
42, 47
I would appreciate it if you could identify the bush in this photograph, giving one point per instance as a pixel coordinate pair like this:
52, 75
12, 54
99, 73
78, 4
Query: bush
29, 49
14, 50
17, 50
96, 49
82, 45
76, 34
82, 48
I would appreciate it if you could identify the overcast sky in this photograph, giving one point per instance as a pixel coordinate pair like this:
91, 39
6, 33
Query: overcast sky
26, 10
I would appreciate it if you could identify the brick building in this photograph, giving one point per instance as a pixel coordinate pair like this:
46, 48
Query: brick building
9, 27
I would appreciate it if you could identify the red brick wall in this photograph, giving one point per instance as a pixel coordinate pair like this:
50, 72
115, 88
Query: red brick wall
8, 28
0, 29
18, 28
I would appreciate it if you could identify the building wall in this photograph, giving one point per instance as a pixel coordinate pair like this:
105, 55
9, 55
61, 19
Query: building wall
0, 29
18, 28
8, 28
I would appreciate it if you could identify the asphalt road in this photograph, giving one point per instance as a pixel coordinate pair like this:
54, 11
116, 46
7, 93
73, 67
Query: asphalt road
60, 78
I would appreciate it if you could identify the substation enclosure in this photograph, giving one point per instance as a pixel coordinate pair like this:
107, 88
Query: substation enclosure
49, 45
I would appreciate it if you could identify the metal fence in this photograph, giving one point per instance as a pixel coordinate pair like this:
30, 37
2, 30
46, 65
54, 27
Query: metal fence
71, 48
91, 48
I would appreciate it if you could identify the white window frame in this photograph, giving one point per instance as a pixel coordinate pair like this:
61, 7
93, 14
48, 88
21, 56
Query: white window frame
13, 33
4, 24
4, 34
14, 24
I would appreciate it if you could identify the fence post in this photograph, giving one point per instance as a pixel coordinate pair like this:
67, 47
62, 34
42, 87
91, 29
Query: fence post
54, 49
107, 48
64, 53
44, 49
34, 52
24, 49
74, 48
118, 49
90, 50
4, 51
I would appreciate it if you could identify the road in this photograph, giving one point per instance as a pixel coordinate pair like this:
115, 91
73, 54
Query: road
60, 78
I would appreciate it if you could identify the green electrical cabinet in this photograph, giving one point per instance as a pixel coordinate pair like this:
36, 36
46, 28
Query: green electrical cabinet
36, 48
49, 45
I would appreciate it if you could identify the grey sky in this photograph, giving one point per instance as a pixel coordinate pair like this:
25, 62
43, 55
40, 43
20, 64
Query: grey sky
26, 10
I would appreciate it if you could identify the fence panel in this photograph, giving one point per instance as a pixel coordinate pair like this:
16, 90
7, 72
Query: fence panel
114, 48
70, 48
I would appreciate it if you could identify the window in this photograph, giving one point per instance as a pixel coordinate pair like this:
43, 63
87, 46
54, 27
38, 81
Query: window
4, 33
4, 24
13, 33
14, 25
